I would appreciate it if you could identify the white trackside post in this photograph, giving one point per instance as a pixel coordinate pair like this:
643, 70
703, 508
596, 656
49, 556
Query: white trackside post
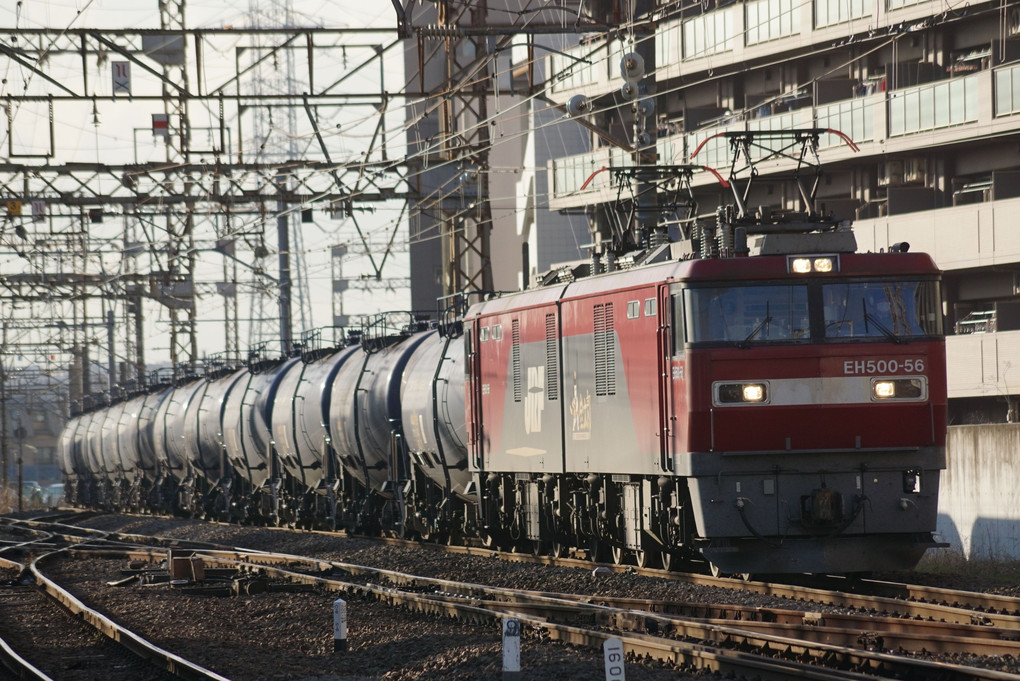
339, 626
511, 650
612, 650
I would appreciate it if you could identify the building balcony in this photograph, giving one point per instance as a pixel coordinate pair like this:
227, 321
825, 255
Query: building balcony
983, 364
958, 237
883, 124
738, 34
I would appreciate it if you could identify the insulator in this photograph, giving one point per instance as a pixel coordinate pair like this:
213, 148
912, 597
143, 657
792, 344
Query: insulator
438, 31
632, 67
708, 244
725, 231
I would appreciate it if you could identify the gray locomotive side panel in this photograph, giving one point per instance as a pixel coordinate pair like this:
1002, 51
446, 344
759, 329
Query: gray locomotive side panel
602, 435
524, 347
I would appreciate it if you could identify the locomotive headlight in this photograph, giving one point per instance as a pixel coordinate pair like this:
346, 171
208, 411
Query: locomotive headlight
740, 393
899, 388
754, 392
884, 389
800, 265
822, 265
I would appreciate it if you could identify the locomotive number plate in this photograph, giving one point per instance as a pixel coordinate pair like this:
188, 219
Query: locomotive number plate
883, 366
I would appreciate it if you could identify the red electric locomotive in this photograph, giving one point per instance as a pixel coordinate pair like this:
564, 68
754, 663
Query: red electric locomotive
777, 407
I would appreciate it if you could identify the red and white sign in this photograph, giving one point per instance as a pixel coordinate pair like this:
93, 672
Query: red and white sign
160, 125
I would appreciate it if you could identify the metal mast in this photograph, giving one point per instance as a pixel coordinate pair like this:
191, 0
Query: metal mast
179, 276
464, 131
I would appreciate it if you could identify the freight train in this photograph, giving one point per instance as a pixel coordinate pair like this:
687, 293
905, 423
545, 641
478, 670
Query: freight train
766, 401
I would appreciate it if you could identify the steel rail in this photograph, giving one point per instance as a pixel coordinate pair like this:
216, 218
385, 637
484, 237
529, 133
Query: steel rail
24, 669
173, 663
909, 601
636, 624
546, 608
960, 607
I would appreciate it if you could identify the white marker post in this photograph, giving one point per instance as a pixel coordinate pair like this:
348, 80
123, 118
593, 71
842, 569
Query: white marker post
511, 650
339, 626
612, 650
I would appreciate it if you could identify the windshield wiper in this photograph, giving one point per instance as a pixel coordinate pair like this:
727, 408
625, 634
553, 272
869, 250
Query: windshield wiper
763, 324
868, 317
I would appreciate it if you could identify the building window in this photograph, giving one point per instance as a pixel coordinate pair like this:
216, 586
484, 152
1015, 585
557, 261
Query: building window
771, 19
832, 12
709, 34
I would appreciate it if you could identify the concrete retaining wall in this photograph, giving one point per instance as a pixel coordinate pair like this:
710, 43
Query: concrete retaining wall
979, 496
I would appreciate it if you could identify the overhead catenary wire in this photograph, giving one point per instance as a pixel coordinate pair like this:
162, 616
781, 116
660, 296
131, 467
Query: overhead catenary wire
427, 206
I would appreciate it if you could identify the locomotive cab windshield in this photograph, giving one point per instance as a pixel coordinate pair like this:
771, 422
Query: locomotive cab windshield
805, 311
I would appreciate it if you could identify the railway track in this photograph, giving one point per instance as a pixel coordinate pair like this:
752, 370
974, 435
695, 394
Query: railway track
48, 633
745, 641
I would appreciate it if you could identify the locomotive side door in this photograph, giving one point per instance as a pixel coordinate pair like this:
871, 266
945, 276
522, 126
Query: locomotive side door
665, 368
678, 374
472, 384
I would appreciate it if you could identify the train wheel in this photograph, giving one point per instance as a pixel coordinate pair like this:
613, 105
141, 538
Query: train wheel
619, 553
666, 558
714, 569
559, 549
643, 558
595, 550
